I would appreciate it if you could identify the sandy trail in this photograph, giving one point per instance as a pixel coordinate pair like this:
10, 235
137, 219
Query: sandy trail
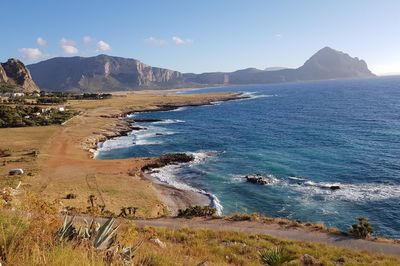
276, 231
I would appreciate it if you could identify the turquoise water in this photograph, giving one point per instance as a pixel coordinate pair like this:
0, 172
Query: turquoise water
306, 135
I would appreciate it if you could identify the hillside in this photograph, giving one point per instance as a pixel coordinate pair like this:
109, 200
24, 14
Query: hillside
108, 73
15, 77
100, 73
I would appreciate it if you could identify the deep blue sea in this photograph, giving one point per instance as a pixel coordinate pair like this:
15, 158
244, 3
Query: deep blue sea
306, 135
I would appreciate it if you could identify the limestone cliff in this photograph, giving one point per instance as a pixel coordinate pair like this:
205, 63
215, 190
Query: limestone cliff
14, 73
101, 73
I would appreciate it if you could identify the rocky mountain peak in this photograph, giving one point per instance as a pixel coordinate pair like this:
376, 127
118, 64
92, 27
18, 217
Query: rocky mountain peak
330, 63
14, 72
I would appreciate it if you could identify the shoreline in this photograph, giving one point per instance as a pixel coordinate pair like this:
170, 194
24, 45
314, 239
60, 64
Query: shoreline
124, 124
175, 198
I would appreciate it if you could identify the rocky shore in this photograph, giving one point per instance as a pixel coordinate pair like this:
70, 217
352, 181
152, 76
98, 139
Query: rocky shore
121, 125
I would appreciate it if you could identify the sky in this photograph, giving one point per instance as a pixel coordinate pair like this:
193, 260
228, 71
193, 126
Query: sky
203, 36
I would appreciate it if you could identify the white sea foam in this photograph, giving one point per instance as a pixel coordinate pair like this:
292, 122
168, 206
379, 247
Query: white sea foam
348, 192
169, 121
149, 136
216, 102
116, 143
167, 174
297, 178
179, 109
254, 95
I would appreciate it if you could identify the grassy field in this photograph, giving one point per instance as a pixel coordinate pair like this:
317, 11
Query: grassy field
26, 241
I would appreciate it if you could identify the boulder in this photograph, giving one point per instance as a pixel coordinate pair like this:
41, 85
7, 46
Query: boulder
259, 179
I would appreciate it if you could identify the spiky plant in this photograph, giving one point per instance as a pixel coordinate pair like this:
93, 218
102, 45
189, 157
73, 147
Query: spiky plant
67, 231
275, 257
103, 238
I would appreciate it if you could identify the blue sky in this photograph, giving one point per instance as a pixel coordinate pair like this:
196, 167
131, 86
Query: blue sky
207, 35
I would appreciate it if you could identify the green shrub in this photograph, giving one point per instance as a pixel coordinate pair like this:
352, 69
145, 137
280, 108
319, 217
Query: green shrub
362, 229
197, 211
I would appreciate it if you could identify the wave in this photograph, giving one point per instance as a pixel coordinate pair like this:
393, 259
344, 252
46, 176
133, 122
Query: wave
115, 143
168, 174
179, 109
297, 178
254, 95
169, 121
347, 191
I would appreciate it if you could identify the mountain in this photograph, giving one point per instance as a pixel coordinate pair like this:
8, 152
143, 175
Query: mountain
274, 68
100, 73
327, 63
107, 73
16, 77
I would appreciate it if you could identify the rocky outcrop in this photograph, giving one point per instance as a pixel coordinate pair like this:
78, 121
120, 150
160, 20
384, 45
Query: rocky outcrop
3, 75
168, 159
101, 73
14, 73
260, 179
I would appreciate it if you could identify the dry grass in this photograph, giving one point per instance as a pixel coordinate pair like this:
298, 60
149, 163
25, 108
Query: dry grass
63, 166
32, 241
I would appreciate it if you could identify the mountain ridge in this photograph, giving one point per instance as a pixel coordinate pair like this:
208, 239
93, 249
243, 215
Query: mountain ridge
111, 73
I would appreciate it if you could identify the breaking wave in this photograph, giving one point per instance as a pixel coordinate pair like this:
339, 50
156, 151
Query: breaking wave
168, 174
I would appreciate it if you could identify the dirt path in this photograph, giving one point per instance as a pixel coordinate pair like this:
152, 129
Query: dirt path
276, 231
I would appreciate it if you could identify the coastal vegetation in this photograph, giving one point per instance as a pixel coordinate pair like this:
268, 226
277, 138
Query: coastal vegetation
25, 116
197, 211
44, 239
362, 229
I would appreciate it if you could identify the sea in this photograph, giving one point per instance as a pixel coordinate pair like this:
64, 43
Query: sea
304, 137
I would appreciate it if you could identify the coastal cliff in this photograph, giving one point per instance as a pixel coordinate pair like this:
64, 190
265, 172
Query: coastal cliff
100, 73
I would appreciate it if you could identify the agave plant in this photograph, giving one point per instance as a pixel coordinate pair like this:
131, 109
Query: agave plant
103, 238
275, 257
67, 231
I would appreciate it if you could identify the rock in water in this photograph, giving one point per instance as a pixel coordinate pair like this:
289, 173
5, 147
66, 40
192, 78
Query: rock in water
259, 179
168, 159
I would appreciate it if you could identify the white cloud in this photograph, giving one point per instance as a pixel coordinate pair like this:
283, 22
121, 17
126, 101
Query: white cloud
68, 46
180, 41
67, 42
103, 46
155, 41
278, 35
40, 41
87, 39
31, 53
69, 49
